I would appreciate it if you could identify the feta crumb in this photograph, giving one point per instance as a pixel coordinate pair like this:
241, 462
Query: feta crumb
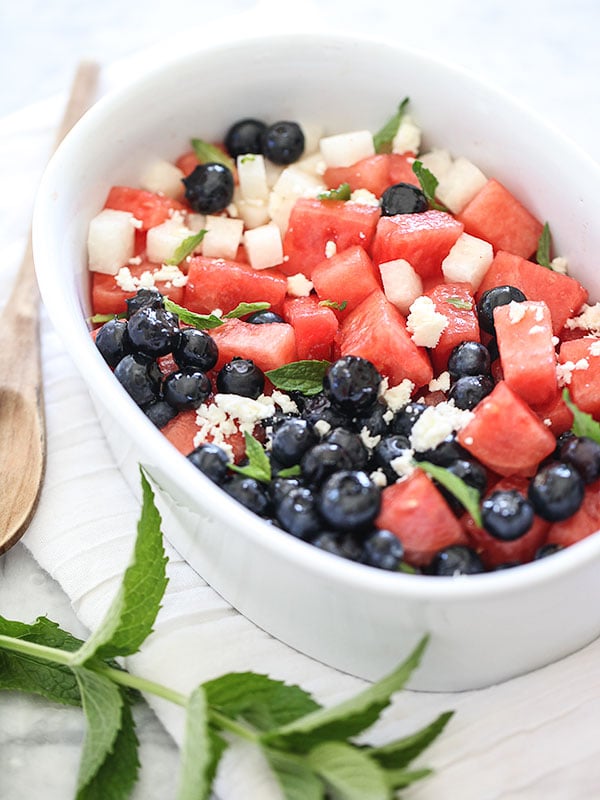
330, 249
547, 422
564, 372
171, 273
125, 280
379, 478
322, 427
589, 319
135, 261
560, 264
516, 311
229, 414
299, 285
396, 397
284, 401
436, 423
368, 440
408, 136
364, 197
424, 323
536, 329
595, 348
441, 383
403, 465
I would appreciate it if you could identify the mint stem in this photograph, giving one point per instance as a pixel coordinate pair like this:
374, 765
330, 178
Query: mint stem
36, 650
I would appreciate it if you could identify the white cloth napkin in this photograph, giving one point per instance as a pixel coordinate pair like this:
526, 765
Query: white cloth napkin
532, 737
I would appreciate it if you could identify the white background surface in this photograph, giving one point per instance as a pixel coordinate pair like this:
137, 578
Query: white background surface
536, 737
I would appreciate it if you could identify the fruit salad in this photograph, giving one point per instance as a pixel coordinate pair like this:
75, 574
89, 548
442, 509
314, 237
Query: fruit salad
367, 343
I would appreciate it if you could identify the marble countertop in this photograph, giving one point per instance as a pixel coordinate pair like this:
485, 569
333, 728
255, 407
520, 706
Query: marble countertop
544, 53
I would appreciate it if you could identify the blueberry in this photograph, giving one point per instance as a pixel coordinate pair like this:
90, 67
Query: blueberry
404, 419
445, 453
297, 513
140, 376
187, 388
456, 560
112, 341
160, 412
195, 348
209, 188
352, 444
283, 142
382, 549
507, 514
212, 460
470, 390
291, 439
556, 492
143, 298
319, 407
264, 317
403, 198
245, 136
491, 299
349, 500
386, 450
339, 544
323, 460
279, 487
584, 454
250, 493
469, 358
153, 331
352, 383
376, 420
241, 376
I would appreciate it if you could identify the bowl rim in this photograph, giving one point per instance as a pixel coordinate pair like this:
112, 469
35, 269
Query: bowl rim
83, 352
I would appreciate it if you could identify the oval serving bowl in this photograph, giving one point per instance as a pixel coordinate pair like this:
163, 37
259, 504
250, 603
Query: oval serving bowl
484, 628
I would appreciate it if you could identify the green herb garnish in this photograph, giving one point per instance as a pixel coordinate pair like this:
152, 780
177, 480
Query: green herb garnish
186, 248
458, 302
258, 466
341, 193
102, 318
310, 749
333, 304
467, 495
305, 377
383, 139
583, 423
209, 153
429, 184
203, 322
243, 309
543, 249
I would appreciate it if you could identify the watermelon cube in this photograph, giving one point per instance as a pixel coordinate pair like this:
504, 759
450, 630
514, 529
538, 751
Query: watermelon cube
456, 302
315, 326
347, 277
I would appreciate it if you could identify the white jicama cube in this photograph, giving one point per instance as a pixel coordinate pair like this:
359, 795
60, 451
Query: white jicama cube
195, 222
468, 260
252, 177
253, 213
293, 183
460, 184
313, 131
163, 177
437, 161
163, 240
111, 240
345, 149
223, 236
401, 284
407, 138
264, 246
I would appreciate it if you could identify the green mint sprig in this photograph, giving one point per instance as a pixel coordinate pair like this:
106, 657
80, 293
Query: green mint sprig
304, 376
542, 255
382, 140
210, 153
334, 305
259, 466
460, 303
186, 248
205, 322
467, 495
309, 748
343, 192
583, 423
100, 319
429, 184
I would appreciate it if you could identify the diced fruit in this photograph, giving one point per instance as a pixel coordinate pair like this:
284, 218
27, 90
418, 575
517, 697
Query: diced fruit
527, 353
182, 429
111, 241
264, 246
416, 512
222, 238
424, 240
460, 184
579, 361
374, 173
108, 296
456, 302
150, 208
556, 414
562, 294
252, 177
505, 434
315, 327
583, 523
495, 214
270, 345
468, 260
163, 240
163, 177
314, 224
376, 330
293, 183
345, 149
347, 277
218, 283
401, 284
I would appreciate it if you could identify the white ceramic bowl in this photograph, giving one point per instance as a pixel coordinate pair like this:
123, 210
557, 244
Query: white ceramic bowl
484, 628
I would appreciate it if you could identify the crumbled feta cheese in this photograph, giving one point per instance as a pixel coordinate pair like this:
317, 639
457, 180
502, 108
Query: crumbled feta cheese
588, 320
408, 136
379, 478
396, 397
564, 371
595, 348
424, 323
367, 439
560, 264
125, 280
170, 273
436, 423
330, 248
441, 383
516, 311
284, 401
228, 414
365, 197
403, 465
536, 329
299, 285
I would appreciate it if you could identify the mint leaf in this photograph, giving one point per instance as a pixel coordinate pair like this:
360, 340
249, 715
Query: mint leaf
305, 377
458, 302
243, 309
341, 193
465, 494
100, 319
429, 184
384, 137
583, 423
119, 771
349, 717
196, 758
400, 778
349, 772
398, 754
131, 616
290, 472
258, 466
543, 249
209, 153
263, 702
332, 304
203, 322
103, 705
186, 248
296, 778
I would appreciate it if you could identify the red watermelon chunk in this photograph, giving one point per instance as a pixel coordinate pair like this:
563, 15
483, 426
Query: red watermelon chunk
374, 173
495, 214
580, 363
563, 295
219, 283
150, 208
269, 345
377, 331
314, 223
424, 240
416, 512
347, 277
315, 327
506, 435
456, 302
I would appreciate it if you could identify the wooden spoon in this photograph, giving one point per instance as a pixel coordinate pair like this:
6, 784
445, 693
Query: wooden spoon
22, 421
